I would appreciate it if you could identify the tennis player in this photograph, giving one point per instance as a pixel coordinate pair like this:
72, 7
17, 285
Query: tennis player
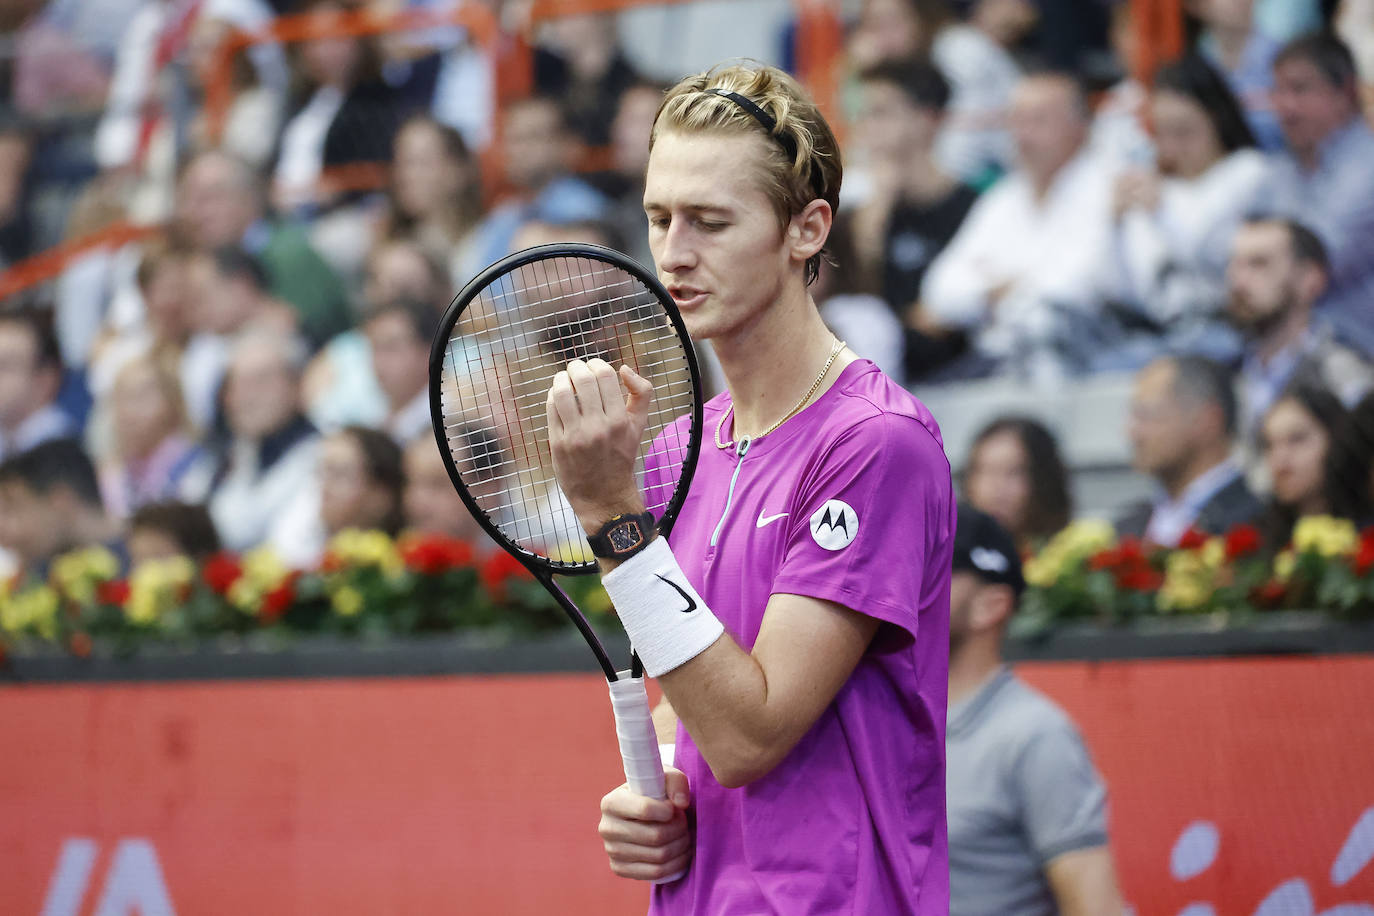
798, 617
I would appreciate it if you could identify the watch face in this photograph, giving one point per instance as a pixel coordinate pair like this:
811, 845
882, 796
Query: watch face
625, 536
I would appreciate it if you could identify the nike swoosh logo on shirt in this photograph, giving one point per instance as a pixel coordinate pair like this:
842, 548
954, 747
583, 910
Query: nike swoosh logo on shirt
766, 520
691, 602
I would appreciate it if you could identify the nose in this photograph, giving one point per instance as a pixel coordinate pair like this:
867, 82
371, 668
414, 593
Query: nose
676, 251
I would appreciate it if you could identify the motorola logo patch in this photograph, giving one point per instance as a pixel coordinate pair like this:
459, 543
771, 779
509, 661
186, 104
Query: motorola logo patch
835, 525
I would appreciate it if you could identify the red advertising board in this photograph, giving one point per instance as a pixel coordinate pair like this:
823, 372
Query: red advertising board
1246, 786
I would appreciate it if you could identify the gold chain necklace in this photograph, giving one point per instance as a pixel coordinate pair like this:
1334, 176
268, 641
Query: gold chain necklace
825, 370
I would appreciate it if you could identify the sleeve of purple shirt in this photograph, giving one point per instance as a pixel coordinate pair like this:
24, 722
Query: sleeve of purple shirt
892, 475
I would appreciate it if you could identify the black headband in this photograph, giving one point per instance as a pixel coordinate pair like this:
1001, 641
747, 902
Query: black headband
769, 122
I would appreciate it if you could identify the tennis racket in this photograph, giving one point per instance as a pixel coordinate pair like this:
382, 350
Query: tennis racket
494, 358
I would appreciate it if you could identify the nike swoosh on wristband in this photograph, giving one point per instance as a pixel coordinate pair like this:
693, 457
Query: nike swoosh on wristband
764, 521
691, 602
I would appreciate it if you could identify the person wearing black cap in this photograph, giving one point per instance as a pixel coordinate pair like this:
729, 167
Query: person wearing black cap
1027, 809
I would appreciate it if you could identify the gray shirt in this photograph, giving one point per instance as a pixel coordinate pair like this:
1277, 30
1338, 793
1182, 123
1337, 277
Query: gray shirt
1021, 791
1336, 200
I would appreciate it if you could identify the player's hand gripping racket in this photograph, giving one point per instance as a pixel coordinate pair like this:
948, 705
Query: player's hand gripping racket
497, 350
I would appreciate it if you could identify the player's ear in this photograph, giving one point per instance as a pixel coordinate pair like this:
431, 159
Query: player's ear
808, 230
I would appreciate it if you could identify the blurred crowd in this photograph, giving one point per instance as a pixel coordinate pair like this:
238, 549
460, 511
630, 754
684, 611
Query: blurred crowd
1016, 204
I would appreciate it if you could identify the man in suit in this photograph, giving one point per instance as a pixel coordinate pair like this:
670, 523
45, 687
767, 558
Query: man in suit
1182, 427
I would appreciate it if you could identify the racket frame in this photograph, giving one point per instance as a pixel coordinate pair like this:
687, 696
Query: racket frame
543, 568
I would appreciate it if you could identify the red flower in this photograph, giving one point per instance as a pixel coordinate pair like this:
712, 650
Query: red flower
1192, 539
499, 569
80, 645
1104, 559
431, 555
1140, 577
1271, 592
276, 602
221, 571
115, 592
1241, 541
1364, 557
331, 562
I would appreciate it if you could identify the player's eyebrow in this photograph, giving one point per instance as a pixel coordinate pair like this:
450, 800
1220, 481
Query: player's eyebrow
695, 209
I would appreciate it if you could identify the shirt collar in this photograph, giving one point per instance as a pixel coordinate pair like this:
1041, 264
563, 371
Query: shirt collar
965, 715
1207, 485
1333, 147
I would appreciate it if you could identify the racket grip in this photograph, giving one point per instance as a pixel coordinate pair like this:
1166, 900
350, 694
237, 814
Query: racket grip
634, 727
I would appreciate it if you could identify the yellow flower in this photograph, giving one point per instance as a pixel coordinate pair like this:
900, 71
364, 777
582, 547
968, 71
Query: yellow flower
1214, 553
156, 586
77, 572
31, 610
1072, 545
1326, 536
263, 571
367, 548
347, 601
1187, 581
1284, 564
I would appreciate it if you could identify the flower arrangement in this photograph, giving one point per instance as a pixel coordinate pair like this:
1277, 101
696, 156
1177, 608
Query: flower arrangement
1086, 572
367, 584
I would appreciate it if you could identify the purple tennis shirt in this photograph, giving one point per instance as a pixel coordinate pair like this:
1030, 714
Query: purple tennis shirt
849, 501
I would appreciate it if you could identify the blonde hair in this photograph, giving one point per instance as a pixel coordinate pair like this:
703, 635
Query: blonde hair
803, 159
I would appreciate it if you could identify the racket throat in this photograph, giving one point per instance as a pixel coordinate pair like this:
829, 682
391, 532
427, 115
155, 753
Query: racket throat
741, 449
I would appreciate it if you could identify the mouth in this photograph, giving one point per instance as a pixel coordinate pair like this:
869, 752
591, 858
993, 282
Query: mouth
687, 297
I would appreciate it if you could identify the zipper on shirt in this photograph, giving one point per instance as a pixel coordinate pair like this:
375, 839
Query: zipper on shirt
741, 448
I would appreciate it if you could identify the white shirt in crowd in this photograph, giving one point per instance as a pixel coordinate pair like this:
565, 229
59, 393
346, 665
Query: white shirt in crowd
411, 421
1047, 252
47, 423
247, 502
1172, 262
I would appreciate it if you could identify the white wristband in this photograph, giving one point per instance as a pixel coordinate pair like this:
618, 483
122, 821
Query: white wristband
668, 622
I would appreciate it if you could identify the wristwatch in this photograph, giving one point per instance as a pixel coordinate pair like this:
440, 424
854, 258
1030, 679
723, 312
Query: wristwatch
623, 536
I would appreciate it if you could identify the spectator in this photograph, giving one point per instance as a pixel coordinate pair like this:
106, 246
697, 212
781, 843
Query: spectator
974, 144
400, 333
541, 151
1015, 474
581, 64
251, 124
1026, 807
30, 379
347, 115
358, 483
1174, 224
340, 386
1324, 176
854, 314
1245, 54
165, 530
146, 111
1278, 272
220, 202
914, 207
436, 190
230, 289
1021, 274
49, 504
432, 504
272, 450
1183, 417
1317, 463
153, 449
623, 183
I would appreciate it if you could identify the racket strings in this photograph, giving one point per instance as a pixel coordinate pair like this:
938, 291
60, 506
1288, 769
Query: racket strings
526, 325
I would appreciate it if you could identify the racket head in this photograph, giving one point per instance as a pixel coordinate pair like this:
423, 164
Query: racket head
498, 347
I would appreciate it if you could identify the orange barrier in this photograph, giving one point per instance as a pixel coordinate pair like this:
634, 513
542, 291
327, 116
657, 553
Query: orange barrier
1160, 24
47, 265
1230, 780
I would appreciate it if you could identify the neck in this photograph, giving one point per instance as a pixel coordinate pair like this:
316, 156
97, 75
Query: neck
1205, 458
770, 363
92, 527
1314, 505
1289, 331
971, 666
923, 180
1231, 41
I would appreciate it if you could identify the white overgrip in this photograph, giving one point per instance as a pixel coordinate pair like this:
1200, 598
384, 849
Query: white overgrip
634, 727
